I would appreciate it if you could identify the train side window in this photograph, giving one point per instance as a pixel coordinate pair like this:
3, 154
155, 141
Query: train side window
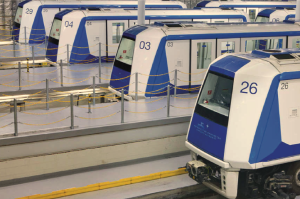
296, 43
252, 14
118, 29
263, 44
227, 47
203, 54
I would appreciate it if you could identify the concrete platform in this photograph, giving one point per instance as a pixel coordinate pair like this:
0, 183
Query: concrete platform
110, 173
106, 114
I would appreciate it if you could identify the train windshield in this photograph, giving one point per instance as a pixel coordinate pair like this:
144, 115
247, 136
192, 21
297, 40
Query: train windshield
262, 19
18, 17
125, 51
215, 98
55, 31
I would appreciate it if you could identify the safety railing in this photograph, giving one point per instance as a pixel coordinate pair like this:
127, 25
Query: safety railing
67, 113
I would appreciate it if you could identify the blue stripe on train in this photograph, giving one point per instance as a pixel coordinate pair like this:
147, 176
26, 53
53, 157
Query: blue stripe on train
121, 74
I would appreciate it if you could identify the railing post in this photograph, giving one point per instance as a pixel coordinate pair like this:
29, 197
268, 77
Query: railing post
99, 62
72, 111
94, 94
168, 101
122, 106
47, 94
61, 74
33, 56
175, 83
11, 28
68, 55
24, 35
15, 117
89, 104
27, 65
136, 86
19, 70
14, 46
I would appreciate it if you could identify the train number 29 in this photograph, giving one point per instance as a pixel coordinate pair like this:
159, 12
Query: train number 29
252, 88
145, 45
29, 11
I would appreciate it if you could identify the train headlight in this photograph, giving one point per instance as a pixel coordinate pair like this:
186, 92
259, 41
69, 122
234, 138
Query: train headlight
194, 155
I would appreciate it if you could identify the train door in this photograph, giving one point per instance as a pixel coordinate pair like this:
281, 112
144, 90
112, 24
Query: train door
203, 52
219, 20
294, 42
96, 31
262, 43
115, 29
178, 57
252, 12
228, 46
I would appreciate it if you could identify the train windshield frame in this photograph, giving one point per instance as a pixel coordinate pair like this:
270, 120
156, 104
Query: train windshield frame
18, 17
55, 31
215, 98
125, 53
262, 19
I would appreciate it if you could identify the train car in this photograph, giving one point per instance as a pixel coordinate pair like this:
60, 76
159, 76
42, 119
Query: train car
37, 16
244, 132
156, 52
251, 7
83, 30
276, 15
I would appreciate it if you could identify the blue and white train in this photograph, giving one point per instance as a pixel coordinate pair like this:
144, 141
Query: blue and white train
154, 52
276, 15
251, 7
37, 16
244, 132
83, 30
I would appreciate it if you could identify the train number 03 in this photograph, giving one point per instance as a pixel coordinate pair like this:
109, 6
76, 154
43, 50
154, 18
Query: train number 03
252, 88
145, 45
69, 24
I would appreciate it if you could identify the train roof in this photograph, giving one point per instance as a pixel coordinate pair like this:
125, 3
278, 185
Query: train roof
284, 60
248, 4
151, 12
198, 30
53, 4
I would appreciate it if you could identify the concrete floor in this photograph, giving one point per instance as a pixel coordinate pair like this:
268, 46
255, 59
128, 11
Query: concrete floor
108, 174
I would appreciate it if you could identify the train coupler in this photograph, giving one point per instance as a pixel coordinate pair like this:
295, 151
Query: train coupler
198, 171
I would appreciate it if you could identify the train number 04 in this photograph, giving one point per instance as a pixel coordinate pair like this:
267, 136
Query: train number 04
145, 45
252, 88
69, 24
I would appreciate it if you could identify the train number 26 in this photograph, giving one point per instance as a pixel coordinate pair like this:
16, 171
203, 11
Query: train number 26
252, 88
145, 45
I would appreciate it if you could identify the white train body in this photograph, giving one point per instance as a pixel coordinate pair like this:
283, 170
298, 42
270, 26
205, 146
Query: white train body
246, 118
155, 52
251, 7
276, 15
37, 16
83, 30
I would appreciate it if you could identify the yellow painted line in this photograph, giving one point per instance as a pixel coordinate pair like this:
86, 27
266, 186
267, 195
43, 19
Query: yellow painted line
106, 185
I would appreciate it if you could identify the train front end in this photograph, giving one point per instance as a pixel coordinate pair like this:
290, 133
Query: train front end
230, 133
140, 48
